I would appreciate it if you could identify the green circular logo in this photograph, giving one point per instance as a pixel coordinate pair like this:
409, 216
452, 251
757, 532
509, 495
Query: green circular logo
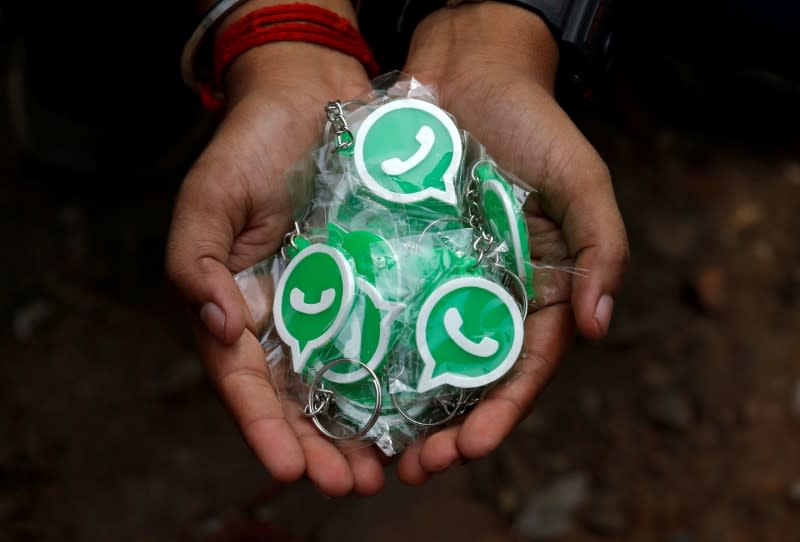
408, 151
312, 300
469, 334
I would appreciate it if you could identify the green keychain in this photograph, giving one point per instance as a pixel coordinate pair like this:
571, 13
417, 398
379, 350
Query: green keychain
409, 151
506, 220
313, 299
468, 334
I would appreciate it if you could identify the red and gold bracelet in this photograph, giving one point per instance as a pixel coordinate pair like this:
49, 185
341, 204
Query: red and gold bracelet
200, 38
288, 22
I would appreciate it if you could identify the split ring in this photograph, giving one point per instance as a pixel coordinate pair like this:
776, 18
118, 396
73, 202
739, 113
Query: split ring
314, 411
414, 421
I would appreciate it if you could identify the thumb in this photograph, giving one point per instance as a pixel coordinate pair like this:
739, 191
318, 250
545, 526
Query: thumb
198, 251
577, 192
583, 199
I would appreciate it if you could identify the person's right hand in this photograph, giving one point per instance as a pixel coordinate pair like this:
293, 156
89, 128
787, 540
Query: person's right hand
493, 67
231, 212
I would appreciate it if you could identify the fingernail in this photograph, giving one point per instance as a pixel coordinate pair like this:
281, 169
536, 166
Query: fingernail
602, 312
214, 319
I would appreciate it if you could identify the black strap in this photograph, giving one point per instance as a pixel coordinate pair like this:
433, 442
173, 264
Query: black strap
553, 12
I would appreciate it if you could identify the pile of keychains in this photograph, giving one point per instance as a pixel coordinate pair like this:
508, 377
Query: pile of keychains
405, 283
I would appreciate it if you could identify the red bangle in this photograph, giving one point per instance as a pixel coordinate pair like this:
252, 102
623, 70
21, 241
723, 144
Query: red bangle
289, 22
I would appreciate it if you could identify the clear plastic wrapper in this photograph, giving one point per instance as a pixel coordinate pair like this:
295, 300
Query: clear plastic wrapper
399, 297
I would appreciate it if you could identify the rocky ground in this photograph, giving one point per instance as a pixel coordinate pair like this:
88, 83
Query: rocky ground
682, 426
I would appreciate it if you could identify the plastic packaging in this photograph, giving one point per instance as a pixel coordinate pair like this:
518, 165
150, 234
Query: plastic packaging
399, 297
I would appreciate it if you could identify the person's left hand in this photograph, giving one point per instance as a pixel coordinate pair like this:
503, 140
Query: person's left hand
232, 211
493, 66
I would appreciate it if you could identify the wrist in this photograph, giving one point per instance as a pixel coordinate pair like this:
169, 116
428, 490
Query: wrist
454, 42
294, 71
293, 66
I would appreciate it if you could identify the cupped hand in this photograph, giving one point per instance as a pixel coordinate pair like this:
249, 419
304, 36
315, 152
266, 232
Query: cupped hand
231, 212
493, 67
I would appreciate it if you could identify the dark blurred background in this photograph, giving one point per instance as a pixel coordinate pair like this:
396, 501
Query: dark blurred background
682, 426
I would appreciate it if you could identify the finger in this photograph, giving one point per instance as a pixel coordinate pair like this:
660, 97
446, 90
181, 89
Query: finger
580, 196
440, 451
596, 237
548, 335
326, 467
409, 467
221, 224
365, 463
239, 373
198, 248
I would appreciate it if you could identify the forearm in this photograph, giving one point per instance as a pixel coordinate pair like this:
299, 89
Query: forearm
454, 41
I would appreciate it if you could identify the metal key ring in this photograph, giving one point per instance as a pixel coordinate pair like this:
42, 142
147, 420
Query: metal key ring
314, 411
290, 239
522, 297
478, 163
414, 421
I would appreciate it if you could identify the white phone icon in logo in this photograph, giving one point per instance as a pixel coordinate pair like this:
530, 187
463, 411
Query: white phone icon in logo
452, 325
297, 299
395, 166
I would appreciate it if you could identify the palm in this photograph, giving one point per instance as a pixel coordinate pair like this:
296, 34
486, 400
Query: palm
254, 150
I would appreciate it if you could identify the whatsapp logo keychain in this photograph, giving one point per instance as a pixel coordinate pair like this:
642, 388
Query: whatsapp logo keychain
469, 333
312, 300
505, 220
337, 324
408, 151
